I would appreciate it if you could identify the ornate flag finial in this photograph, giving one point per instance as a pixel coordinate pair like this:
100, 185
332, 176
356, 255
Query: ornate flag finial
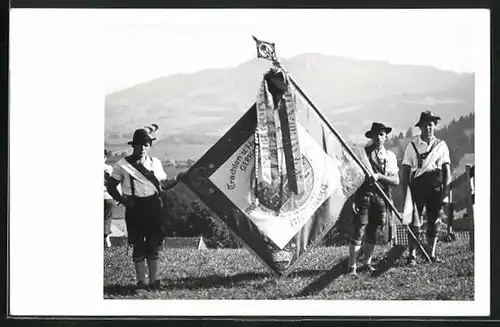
272, 131
265, 50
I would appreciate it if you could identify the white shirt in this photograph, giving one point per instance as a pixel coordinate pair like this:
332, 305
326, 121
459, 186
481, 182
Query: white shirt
439, 156
142, 187
389, 158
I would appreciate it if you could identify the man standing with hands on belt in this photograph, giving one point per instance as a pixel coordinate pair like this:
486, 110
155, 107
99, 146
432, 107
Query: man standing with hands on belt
426, 171
141, 178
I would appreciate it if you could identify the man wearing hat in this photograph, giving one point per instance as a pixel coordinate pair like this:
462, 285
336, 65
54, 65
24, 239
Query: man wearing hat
426, 170
140, 177
370, 207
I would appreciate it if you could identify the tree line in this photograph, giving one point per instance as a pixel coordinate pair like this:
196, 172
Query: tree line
458, 135
186, 217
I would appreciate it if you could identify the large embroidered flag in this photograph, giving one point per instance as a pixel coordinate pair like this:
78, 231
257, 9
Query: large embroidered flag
307, 174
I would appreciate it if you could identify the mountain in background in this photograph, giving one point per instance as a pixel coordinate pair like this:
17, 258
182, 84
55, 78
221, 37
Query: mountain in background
194, 110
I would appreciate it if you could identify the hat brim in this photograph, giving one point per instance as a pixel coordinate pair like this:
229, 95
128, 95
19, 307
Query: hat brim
134, 143
433, 119
369, 134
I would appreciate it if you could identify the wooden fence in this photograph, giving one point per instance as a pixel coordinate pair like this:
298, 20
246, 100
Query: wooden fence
465, 183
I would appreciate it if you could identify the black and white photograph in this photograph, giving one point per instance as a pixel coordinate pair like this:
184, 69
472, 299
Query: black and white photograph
309, 158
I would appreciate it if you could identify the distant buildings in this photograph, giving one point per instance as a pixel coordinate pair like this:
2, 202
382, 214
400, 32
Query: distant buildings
167, 163
178, 163
118, 153
467, 159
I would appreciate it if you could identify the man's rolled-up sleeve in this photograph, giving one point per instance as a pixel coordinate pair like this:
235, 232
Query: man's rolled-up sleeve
444, 157
409, 156
392, 164
159, 171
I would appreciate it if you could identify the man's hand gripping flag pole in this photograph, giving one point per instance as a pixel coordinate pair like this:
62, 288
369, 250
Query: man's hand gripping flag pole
266, 50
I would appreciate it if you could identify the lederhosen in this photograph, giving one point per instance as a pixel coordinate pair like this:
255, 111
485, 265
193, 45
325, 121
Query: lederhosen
426, 190
372, 208
144, 220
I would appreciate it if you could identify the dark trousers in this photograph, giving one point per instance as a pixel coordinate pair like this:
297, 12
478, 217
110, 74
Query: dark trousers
372, 214
144, 227
426, 194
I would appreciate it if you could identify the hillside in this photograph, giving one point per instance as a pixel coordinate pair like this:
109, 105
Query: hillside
194, 110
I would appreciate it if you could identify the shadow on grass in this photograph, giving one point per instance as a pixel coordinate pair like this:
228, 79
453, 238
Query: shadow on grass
390, 260
325, 280
228, 281
205, 282
210, 281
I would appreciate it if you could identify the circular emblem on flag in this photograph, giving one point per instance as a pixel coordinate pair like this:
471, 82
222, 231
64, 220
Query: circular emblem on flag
236, 180
283, 198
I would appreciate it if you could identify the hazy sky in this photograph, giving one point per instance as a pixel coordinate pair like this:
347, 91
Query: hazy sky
144, 45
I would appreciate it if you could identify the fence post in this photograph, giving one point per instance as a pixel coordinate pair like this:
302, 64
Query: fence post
469, 174
451, 216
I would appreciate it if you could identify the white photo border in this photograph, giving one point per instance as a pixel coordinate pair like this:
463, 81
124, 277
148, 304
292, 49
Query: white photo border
57, 75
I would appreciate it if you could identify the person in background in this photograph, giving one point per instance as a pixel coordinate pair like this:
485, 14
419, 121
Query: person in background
109, 203
370, 207
426, 172
141, 178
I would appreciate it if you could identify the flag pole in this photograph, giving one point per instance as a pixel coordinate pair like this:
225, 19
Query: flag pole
365, 170
266, 50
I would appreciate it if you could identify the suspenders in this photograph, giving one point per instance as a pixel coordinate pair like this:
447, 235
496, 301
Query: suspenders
375, 165
422, 156
132, 186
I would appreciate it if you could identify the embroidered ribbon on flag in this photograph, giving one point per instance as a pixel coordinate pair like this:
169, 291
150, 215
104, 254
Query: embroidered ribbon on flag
275, 138
266, 141
291, 147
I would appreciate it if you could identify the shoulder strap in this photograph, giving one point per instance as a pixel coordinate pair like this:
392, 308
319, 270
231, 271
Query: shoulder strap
414, 147
375, 166
422, 156
435, 144
132, 186
145, 173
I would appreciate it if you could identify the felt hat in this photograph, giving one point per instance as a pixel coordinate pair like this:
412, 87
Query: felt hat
427, 116
143, 136
376, 128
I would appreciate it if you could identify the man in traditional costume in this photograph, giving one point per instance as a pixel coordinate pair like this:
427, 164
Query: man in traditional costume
141, 177
370, 207
426, 170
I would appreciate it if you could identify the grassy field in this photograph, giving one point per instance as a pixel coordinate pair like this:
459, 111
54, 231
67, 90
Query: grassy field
237, 274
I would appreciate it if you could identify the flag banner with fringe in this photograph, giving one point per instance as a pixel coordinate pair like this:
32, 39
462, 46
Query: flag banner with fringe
279, 178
